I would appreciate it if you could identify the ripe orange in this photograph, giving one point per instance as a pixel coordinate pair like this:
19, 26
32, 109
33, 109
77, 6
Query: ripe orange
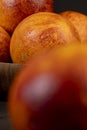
79, 21
13, 11
50, 93
39, 32
4, 46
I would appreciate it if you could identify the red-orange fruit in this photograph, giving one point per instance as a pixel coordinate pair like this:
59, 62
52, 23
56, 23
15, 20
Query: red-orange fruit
4, 46
79, 21
13, 11
39, 32
50, 93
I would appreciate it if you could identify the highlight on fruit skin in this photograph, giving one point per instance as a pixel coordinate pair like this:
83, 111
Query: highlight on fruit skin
79, 21
40, 32
50, 93
4, 46
14, 11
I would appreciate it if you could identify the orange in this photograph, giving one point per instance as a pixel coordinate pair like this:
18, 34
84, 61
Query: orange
40, 32
79, 21
13, 11
4, 46
50, 92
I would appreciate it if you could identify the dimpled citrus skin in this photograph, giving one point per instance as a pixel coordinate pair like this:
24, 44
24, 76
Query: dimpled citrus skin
13, 11
50, 93
39, 32
4, 46
79, 21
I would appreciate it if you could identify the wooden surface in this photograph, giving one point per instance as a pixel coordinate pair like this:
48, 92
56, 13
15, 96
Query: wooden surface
7, 73
5, 122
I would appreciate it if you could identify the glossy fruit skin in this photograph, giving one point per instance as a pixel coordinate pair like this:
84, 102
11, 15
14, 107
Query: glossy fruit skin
38, 33
4, 46
79, 21
51, 91
13, 11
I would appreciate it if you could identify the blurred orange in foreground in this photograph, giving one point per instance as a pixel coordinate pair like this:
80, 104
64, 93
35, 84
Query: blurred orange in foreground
40, 32
50, 92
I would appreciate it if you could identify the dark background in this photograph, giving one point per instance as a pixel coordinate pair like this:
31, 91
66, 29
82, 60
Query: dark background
76, 5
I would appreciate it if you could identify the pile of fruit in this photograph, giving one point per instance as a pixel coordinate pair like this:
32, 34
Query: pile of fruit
30, 28
50, 92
